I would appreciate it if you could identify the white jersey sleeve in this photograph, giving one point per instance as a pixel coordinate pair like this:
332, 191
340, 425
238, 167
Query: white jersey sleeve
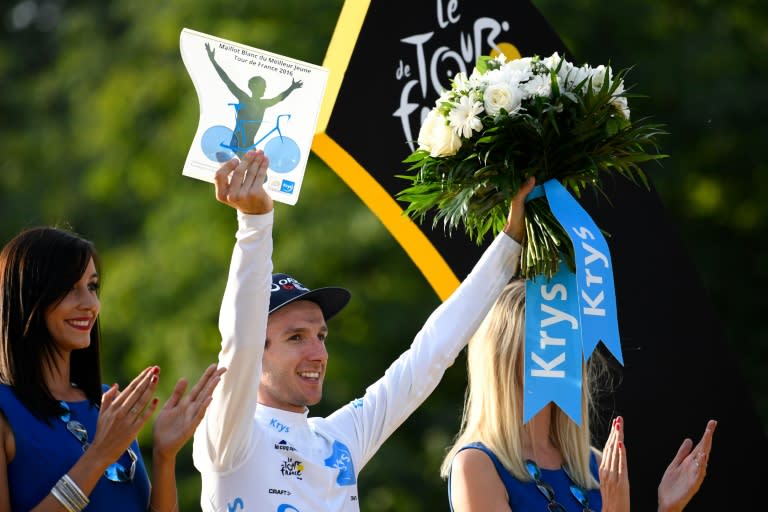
388, 402
225, 436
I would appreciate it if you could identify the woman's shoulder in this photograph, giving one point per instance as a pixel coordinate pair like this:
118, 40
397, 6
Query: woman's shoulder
474, 454
476, 457
476, 445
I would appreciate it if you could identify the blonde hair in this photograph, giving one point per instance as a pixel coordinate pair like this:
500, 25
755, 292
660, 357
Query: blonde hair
493, 406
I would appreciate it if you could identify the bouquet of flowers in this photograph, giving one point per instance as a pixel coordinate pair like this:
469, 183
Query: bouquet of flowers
510, 120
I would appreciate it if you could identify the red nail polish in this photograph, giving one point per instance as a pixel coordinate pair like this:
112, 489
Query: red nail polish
621, 445
154, 379
154, 401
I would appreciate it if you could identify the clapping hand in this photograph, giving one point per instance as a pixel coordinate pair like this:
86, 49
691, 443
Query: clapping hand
181, 414
123, 413
686, 472
614, 476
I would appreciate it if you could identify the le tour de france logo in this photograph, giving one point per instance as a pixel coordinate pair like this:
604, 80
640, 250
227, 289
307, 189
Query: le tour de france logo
430, 59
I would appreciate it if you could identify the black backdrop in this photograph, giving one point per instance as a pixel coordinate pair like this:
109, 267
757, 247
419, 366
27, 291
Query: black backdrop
677, 371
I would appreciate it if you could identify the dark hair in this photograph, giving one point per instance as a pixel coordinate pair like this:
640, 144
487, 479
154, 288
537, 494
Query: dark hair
38, 267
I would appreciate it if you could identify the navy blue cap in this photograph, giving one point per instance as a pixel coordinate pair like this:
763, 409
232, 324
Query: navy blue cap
286, 289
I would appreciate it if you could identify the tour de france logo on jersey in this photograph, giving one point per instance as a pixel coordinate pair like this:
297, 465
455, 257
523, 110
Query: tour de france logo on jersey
292, 467
341, 459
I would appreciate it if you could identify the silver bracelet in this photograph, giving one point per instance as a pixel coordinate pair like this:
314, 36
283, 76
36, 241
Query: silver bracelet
81, 497
69, 494
61, 499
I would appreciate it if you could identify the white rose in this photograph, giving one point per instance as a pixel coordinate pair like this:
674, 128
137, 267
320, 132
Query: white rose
437, 137
501, 96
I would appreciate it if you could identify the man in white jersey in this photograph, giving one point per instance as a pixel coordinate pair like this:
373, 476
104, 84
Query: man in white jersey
257, 449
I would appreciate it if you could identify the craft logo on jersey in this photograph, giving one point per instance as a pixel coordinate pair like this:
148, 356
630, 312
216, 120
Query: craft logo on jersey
341, 459
292, 467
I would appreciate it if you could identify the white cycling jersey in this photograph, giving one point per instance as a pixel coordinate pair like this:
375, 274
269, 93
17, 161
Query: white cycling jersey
260, 459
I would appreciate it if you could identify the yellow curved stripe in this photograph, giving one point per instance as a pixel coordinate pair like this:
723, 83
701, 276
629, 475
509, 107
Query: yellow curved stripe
418, 247
339, 52
409, 236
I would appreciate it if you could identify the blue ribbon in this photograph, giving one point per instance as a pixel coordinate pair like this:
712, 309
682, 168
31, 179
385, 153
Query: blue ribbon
553, 347
568, 315
594, 272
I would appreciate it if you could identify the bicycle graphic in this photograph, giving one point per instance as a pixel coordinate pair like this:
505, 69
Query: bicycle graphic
220, 143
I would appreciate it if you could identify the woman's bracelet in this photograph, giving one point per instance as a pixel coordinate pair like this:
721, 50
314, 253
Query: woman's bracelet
67, 492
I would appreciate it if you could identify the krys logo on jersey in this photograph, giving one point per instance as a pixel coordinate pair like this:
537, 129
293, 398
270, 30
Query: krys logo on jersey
341, 459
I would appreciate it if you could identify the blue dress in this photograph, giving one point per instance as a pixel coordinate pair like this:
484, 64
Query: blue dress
45, 452
525, 497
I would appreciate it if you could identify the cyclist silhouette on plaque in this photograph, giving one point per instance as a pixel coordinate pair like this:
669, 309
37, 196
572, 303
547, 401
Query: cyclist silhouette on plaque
249, 111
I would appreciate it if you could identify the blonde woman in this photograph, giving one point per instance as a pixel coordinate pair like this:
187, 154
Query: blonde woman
499, 463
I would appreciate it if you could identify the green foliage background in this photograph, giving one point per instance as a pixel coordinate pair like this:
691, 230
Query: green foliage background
97, 112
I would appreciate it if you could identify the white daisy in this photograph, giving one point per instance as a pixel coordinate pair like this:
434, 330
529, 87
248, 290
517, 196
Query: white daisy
463, 118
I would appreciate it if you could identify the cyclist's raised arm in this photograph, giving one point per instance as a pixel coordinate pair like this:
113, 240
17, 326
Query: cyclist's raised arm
280, 97
239, 93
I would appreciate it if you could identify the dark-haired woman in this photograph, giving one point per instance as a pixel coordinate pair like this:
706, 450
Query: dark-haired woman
66, 440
